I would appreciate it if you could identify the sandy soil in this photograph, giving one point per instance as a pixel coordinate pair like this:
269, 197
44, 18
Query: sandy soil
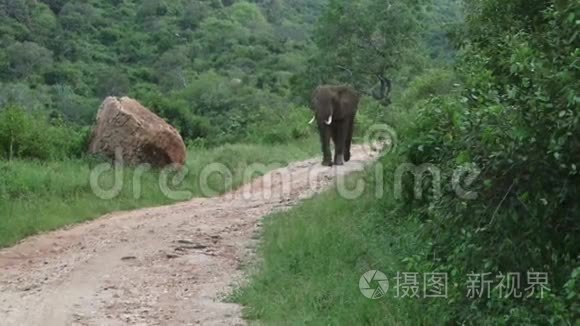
169, 265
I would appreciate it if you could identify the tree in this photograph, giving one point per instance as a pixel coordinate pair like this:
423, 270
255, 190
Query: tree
55, 5
17, 9
112, 82
249, 16
359, 41
216, 36
193, 13
26, 59
172, 68
151, 8
43, 23
273, 9
77, 17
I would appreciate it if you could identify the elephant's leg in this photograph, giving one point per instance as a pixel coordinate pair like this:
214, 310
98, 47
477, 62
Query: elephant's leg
334, 135
339, 137
325, 134
348, 142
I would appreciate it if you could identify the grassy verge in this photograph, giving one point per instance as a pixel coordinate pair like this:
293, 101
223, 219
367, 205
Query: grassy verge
41, 196
312, 258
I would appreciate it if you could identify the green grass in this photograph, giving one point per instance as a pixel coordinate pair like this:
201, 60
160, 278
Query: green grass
41, 196
312, 257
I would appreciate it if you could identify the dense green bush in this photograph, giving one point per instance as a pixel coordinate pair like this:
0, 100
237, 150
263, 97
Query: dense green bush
281, 126
429, 84
25, 135
516, 119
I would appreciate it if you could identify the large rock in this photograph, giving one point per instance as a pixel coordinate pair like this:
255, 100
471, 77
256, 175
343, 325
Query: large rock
140, 135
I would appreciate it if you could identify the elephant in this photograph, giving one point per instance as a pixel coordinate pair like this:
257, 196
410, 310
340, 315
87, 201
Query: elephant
335, 108
334, 111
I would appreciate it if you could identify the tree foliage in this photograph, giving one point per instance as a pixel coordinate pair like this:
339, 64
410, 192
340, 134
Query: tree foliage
517, 120
358, 41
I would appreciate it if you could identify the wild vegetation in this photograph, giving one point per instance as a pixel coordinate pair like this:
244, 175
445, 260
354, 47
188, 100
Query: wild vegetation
515, 117
219, 71
215, 70
507, 109
485, 85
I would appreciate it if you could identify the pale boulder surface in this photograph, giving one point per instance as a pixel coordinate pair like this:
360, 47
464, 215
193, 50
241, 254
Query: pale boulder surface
126, 126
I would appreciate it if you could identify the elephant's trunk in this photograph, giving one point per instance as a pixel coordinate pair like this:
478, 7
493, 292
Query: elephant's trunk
328, 121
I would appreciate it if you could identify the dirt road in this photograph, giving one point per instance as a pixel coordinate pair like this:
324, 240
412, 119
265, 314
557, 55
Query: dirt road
160, 266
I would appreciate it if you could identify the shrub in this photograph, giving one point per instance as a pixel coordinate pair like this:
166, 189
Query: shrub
24, 135
280, 126
517, 120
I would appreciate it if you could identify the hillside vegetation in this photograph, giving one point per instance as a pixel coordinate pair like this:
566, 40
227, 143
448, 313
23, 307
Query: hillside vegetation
216, 70
219, 71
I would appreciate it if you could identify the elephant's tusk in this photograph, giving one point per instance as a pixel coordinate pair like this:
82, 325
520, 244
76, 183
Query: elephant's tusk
329, 121
312, 121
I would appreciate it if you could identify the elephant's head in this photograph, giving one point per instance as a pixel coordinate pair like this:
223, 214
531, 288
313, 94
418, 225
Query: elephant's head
328, 98
331, 103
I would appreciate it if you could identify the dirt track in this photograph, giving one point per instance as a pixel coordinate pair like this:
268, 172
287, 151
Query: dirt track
160, 266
